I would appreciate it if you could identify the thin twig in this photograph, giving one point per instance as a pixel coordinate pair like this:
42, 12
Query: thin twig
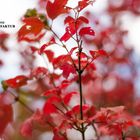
21, 102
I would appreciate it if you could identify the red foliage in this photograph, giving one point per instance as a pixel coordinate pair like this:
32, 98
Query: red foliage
67, 69
6, 113
106, 99
86, 31
52, 11
16, 82
31, 30
98, 53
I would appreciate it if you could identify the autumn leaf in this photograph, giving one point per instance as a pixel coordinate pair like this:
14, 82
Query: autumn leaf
29, 124
16, 82
49, 106
64, 84
98, 53
49, 54
76, 110
86, 31
69, 20
6, 113
108, 114
67, 70
72, 50
56, 8
38, 72
60, 60
27, 128
83, 19
72, 26
33, 49
54, 91
31, 30
44, 46
70, 31
83, 4
68, 97
60, 131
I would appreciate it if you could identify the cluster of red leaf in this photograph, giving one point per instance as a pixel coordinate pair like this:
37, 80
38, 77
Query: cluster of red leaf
108, 98
32, 30
124, 5
6, 112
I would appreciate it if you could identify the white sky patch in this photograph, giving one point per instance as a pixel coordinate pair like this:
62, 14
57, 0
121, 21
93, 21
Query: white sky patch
134, 34
132, 24
12, 10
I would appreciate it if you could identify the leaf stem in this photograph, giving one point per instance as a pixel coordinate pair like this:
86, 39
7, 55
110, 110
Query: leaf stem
17, 99
96, 132
123, 136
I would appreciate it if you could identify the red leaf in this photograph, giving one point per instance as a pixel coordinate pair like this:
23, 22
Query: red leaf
90, 113
107, 114
76, 110
43, 47
98, 53
70, 31
54, 91
65, 37
60, 132
102, 52
32, 38
119, 127
49, 106
31, 30
64, 84
38, 72
6, 113
83, 19
16, 82
84, 3
56, 8
72, 50
72, 27
117, 109
49, 54
69, 20
68, 97
86, 31
67, 69
33, 49
41, 50
82, 55
27, 128
60, 60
